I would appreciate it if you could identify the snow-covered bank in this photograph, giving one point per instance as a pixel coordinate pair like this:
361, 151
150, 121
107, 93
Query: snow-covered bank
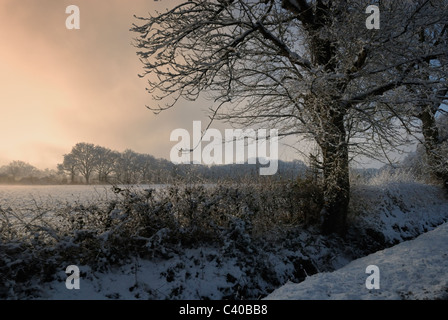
398, 210
415, 269
392, 212
254, 255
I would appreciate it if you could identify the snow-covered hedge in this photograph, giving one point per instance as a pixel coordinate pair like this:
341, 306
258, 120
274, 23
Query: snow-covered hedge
148, 224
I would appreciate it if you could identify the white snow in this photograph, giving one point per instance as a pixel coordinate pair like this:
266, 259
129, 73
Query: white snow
146, 279
412, 269
415, 269
30, 197
399, 210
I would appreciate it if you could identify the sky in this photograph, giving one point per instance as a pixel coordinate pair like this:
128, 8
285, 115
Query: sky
60, 86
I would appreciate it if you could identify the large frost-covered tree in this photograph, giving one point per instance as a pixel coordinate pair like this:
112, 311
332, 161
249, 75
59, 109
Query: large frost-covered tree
309, 68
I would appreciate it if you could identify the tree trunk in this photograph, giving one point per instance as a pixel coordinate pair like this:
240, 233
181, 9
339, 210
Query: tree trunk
431, 135
336, 175
429, 130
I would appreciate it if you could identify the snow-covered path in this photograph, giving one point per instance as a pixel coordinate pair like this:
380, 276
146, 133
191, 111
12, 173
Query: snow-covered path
415, 269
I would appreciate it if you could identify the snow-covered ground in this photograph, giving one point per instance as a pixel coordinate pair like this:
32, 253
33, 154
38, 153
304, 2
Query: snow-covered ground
184, 276
414, 269
30, 197
399, 210
393, 213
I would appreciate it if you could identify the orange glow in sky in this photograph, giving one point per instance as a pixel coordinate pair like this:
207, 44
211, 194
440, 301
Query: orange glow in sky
60, 87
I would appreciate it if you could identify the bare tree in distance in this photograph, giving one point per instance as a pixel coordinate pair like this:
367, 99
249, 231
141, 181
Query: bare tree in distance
106, 160
84, 156
127, 167
18, 169
68, 165
307, 68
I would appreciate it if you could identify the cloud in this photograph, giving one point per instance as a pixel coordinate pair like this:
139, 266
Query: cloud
60, 86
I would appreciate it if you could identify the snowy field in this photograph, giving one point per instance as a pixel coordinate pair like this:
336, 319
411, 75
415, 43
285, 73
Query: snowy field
29, 198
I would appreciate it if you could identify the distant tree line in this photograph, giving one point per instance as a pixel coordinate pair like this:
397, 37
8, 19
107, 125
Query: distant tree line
92, 164
89, 163
24, 173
